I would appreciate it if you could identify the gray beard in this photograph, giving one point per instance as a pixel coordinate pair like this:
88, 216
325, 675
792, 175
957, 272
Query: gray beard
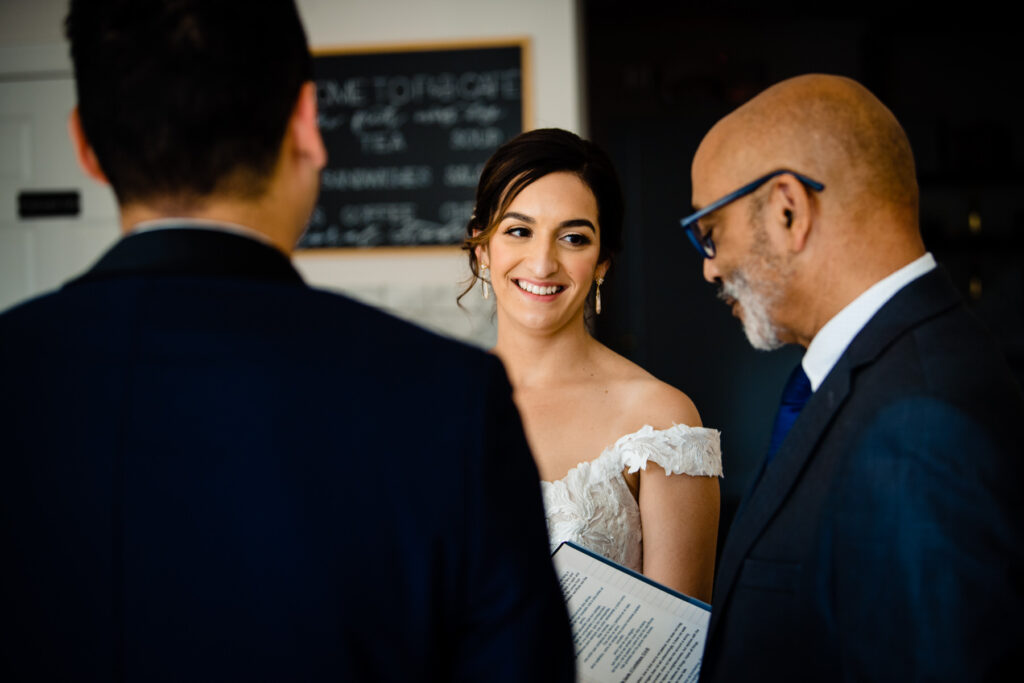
757, 322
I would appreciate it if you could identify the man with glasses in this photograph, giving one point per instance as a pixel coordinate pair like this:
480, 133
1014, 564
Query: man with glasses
882, 538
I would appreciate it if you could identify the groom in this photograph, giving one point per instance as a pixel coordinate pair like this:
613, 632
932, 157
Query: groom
884, 538
210, 471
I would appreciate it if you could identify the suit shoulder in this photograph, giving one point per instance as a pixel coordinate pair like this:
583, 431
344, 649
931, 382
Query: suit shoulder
381, 333
34, 317
943, 390
959, 356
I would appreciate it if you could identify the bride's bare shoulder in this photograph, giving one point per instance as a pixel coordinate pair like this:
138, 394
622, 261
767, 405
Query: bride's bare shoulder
645, 399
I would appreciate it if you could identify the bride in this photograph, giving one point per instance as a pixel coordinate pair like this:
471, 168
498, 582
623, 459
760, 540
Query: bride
618, 450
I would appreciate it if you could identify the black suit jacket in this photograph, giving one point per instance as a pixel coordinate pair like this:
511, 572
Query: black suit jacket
886, 539
210, 471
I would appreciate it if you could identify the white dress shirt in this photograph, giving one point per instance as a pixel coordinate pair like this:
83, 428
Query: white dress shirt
832, 339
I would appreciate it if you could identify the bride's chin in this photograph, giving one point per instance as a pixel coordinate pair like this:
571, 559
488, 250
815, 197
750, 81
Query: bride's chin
554, 325
536, 322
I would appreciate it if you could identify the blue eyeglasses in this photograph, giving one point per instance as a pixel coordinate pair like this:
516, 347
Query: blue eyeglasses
703, 243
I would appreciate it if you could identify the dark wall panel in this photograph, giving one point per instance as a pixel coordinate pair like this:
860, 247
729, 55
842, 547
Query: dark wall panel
658, 79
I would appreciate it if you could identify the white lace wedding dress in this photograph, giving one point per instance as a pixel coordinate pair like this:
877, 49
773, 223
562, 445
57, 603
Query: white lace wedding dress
592, 505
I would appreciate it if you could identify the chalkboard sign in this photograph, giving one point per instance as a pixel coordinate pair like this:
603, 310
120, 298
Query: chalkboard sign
407, 132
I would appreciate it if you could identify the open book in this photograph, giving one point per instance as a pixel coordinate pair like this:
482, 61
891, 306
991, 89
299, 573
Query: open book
626, 627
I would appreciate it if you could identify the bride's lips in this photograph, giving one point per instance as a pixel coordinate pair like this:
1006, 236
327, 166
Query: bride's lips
539, 290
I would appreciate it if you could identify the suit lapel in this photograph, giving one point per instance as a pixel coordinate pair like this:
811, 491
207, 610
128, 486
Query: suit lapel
192, 252
923, 298
777, 480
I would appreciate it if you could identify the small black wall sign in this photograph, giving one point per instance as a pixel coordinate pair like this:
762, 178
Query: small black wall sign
48, 203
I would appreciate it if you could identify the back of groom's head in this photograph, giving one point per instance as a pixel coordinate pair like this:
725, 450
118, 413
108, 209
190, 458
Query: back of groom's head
186, 98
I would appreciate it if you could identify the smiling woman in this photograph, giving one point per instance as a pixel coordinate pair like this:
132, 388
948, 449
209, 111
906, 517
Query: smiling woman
627, 469
543, 255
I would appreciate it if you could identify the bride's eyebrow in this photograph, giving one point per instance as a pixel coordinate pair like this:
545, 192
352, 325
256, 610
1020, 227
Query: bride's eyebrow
578, 223
571, 223
519, 217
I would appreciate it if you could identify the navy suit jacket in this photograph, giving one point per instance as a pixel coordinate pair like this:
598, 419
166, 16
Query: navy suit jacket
886, 539
210, 471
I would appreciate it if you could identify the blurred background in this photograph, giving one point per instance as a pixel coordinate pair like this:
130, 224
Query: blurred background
645, 80
659, 76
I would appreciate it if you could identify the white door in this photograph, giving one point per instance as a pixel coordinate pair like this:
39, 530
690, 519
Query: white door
39, 254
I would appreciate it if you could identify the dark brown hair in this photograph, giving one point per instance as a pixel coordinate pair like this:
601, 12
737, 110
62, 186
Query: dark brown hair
186, 98
530, 156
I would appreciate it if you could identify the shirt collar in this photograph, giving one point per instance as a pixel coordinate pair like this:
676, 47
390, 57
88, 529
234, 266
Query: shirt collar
199, 224
832, 339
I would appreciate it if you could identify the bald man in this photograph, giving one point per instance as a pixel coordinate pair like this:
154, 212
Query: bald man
884, 538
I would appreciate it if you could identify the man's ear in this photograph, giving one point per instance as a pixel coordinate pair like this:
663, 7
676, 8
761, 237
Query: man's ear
790, 209
305, 129
83, 150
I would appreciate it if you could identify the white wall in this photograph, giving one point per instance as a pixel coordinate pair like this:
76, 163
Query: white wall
36, 94
36, 91
32, 22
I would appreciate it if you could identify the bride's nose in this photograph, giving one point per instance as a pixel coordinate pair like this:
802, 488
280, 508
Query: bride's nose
542, 259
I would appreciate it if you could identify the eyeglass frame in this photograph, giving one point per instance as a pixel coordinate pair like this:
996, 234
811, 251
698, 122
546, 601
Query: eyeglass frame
703, 244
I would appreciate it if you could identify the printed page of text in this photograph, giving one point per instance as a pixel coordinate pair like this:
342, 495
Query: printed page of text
625, 629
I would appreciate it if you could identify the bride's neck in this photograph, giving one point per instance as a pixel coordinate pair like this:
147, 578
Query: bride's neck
539, 360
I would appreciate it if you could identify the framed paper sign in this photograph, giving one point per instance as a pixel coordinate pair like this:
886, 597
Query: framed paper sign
407, 131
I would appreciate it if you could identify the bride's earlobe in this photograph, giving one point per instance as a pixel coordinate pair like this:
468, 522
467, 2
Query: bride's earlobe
482, 267
484, 285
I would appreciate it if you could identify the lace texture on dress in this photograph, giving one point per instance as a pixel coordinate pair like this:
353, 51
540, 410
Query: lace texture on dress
593, 506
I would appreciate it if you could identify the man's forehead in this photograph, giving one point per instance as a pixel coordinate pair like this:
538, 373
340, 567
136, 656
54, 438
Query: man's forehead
711, 171
727, 157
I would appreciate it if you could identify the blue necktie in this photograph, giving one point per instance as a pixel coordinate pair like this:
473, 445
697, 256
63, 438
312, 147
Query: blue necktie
794, 396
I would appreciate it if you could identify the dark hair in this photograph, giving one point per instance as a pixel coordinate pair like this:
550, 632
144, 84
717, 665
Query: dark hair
186, 98
530, 156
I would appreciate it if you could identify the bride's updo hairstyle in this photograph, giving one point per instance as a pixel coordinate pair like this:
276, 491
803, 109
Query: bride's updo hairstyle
528, 157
